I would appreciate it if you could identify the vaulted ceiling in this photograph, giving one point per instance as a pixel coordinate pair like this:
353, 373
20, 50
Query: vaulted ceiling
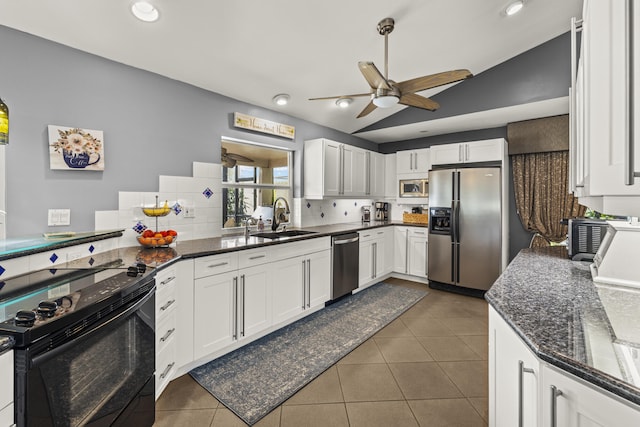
253, 50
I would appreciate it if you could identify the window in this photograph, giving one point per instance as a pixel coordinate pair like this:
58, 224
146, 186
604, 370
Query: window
253, 176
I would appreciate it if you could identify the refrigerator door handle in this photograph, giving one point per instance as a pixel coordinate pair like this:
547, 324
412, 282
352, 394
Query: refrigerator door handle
456, 220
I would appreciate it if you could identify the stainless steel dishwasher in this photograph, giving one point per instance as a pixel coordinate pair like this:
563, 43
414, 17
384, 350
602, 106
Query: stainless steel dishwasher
346, 251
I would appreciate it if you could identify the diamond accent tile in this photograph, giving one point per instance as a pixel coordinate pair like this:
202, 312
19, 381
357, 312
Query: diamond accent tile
207, 193
91, 249
53, 258
322, 215
355, 203
92, 261
345, 213
53, 271
334, 204
308, 205
2, 285
176, 208
139, 227
2, 270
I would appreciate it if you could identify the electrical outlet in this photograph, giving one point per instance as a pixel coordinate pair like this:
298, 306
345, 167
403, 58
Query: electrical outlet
59, 217
189, 212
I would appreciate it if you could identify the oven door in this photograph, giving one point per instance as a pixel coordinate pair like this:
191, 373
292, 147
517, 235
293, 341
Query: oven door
104, 377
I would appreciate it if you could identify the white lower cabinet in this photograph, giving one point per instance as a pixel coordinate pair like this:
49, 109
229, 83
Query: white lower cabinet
569, 402
254, 301
166, 327
514, 373
214, 310
300, 284
6, 389
372, 256
411, 250
524, 391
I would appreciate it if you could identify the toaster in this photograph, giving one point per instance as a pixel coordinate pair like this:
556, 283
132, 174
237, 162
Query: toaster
584, 238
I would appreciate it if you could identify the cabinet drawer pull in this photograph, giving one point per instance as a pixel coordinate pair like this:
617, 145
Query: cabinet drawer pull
166, 370
521, 371
167, 280
256, 257
167, 335
555, 392
220, 264
167, 305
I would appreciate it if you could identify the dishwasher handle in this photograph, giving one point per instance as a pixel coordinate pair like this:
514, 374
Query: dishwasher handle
345, 241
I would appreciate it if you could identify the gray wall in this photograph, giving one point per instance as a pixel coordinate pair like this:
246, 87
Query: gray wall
152, 126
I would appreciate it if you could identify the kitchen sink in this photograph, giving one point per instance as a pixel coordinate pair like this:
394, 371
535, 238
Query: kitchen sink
285, 233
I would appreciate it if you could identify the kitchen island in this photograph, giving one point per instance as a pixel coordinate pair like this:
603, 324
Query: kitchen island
570, 325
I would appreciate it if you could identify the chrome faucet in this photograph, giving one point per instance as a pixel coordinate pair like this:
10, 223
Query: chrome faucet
274, 221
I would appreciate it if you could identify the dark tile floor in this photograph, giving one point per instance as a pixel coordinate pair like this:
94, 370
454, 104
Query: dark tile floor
427, 368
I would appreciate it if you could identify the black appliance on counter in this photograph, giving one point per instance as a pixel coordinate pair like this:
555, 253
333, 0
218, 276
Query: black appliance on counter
84, 345
584, 237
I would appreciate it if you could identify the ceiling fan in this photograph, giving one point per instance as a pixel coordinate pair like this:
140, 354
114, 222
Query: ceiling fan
229, 160
386, 93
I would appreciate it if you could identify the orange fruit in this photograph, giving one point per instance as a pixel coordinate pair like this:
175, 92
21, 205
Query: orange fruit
158, 235
161, 241
145, 241
169, 239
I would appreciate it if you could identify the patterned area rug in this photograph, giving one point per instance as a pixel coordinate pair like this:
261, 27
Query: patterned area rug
257, 378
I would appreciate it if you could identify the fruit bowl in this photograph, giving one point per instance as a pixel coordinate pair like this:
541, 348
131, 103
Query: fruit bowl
157, 242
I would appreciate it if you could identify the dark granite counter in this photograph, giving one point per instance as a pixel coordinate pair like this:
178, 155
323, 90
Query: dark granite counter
589, 330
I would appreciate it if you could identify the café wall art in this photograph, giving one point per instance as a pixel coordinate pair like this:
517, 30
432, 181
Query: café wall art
76, 148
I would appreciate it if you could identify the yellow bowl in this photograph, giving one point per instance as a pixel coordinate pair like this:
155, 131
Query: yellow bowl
157, 242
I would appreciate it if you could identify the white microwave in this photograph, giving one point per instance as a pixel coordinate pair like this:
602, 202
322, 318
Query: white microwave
414, 188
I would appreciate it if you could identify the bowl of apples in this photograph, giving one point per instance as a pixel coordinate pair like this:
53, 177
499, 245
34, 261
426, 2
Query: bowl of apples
157, 239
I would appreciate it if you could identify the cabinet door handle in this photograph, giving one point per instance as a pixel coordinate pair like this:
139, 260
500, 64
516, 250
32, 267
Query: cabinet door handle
167, 335
406, 251
426, 258
242, 281
235, 308
521, 371
308, 283
460, 152
466, 152
304, 283
256, 257
555, 392
629, 167
167, 305
167, 280
220, 264
166, 370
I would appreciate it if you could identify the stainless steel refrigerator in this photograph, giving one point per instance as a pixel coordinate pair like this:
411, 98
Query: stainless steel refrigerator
465, 227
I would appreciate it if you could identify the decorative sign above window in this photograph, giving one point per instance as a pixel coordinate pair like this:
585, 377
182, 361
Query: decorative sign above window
265, 126
75, 148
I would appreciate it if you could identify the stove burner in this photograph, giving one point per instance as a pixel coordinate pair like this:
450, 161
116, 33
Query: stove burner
25, 318
47, 309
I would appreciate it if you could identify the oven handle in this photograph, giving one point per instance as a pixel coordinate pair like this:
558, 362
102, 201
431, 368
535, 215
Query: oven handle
114, 317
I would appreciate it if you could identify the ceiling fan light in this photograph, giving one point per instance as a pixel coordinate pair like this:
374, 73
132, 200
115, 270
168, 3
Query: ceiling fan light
385, 101
145, 11
514, 7
344, 102
281, 99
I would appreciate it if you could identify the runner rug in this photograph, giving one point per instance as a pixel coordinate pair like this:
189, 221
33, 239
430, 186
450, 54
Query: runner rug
257, 378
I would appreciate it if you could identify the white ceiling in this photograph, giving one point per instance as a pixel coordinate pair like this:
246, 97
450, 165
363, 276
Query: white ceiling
252, 50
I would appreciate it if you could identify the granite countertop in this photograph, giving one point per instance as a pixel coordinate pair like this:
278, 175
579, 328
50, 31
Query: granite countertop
589, 330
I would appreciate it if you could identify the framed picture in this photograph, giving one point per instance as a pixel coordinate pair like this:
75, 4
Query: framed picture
75, 148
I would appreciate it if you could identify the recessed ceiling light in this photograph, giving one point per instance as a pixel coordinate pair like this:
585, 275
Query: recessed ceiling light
514, 7
344, 102
281, 99
145, 11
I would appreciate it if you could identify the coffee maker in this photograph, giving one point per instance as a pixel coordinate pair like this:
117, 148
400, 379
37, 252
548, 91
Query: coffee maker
366, 213
382, 211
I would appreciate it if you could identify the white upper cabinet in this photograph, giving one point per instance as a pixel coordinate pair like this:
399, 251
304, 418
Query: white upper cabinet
468, 152
413, 161
390, 179
333, 169
377, 174
605, 148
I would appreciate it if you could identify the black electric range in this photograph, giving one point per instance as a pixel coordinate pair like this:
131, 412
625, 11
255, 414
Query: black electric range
63, 301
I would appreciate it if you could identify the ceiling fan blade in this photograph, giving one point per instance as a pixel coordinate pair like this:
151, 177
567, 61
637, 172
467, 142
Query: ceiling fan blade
373, 76
413, 100
369, 108
434, 80
341, 96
